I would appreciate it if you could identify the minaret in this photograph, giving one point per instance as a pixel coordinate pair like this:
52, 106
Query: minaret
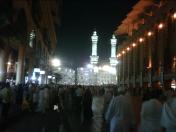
113, 60
94, 57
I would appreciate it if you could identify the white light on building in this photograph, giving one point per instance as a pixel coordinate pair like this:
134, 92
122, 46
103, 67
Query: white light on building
32, 36
89, 66
42, 72
56, 62
36, 69
173, 84
49, 77
96, 69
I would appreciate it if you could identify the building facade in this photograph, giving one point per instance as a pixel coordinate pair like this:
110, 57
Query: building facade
67, 76
28, 31
147, 56
95, 73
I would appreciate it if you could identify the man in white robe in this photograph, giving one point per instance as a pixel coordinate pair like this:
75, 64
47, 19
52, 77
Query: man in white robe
168, 118
98, 105
150, 116
120, 114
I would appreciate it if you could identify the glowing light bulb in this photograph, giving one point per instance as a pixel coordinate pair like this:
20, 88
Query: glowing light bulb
174, 16
118, 55
133, 44
160, 26
8, 63
123, 52
128, 48
149, 33
141, 40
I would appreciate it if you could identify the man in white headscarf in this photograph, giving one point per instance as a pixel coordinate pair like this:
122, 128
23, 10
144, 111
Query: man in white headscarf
120, 114
151, 113
168, 118
98, 105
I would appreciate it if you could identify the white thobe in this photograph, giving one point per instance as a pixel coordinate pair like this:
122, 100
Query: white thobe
120, 114
97, 109
168, 118
112, 108
151, 116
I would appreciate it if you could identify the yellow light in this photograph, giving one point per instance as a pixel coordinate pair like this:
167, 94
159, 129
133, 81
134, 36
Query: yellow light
118, 55
56, 62
123, 52
160, 26
149, 33
128, 48
174, 16
8, 63
141, 40
133, 44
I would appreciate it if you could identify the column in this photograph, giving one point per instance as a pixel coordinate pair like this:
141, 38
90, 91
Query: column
120, 69
173, 49
20, 65
134, 67
2, 65
131, 66
161, 42
30, 71
141, 60
123, 70
128, 67
150, 60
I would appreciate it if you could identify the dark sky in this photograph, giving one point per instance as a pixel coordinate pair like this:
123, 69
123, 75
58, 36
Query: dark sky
79, 19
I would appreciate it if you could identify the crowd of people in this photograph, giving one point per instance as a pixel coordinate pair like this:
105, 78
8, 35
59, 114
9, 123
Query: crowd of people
15, 99
105, 108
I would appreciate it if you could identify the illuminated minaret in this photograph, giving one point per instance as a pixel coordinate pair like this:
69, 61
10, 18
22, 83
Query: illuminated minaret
113, 60
94, 57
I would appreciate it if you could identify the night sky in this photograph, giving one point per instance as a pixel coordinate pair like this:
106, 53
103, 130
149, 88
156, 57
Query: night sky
78, 21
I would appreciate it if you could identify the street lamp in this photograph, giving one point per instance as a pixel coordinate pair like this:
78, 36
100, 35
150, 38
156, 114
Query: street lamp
56, 62
90, 66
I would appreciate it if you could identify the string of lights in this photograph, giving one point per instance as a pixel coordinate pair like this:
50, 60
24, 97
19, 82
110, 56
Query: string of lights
149, 33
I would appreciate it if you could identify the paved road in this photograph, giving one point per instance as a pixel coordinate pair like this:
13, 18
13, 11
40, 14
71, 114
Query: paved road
49, 122
35, 122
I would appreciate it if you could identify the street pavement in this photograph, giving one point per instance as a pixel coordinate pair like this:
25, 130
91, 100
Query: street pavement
49, 122
34, 122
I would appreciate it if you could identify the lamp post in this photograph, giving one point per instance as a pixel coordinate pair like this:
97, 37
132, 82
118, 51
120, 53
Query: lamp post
56, 63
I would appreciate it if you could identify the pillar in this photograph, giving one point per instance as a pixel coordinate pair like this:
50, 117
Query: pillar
141, 47
31, 67
2, 65
134, 67
20, 65
123, 70
128, 63
161, 45
126, 68
150, 60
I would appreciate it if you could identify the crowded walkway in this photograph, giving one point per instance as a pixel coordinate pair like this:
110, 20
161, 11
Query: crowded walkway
61, 108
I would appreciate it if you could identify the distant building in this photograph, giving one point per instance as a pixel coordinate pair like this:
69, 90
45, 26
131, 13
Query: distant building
67, 76
94, 73
27, 37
